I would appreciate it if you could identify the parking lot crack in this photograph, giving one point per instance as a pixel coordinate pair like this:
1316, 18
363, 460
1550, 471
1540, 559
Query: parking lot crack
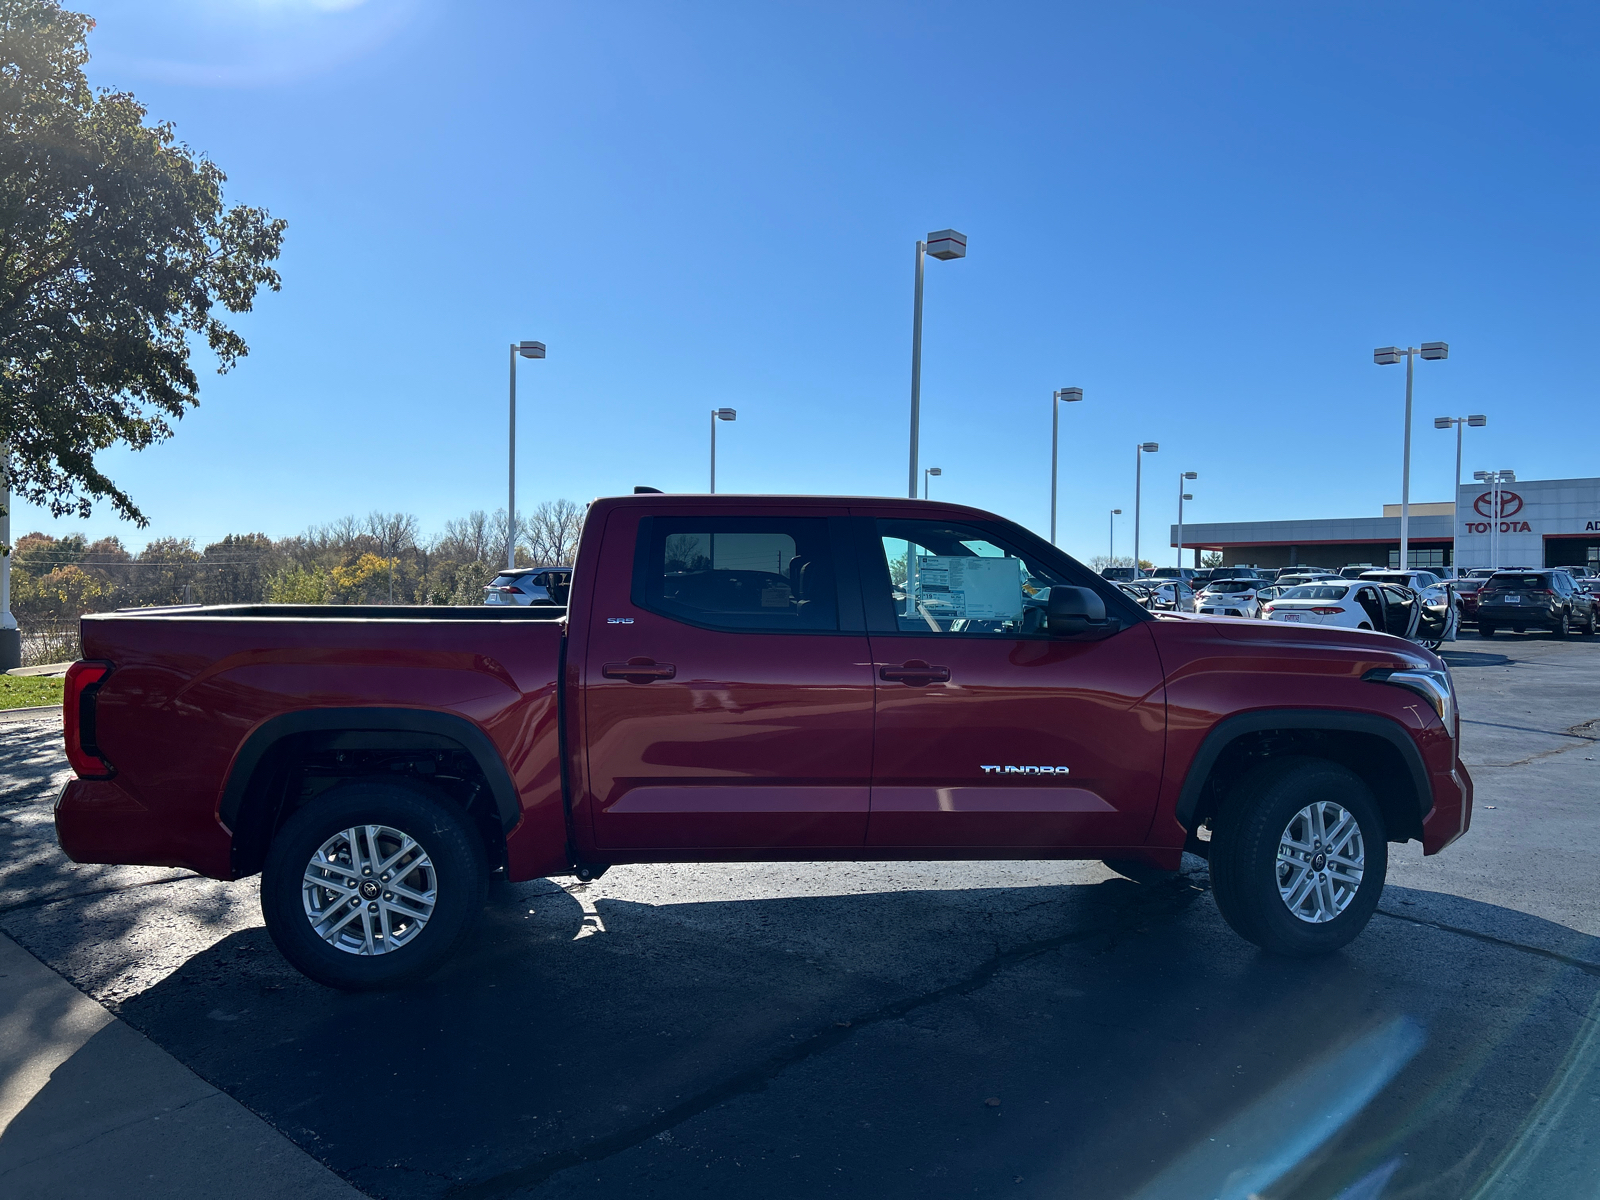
1166, 899
63, 897
1581, 964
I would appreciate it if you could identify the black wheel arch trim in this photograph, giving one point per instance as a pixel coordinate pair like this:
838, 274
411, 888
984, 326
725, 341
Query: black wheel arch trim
369, 720
1230, 729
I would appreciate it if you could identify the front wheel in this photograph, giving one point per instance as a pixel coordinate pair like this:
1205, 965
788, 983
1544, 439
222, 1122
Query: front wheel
1485, 630
373, 885
1563, 627
1589, 626
1299, 856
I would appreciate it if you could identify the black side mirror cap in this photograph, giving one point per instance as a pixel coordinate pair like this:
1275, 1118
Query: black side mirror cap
1076, 612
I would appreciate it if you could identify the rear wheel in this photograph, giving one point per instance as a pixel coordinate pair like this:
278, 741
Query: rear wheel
373, 885
1485, 630
1589, 625
1298, 856
1563, 627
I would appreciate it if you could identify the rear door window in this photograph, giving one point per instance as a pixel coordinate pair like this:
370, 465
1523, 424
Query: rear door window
738, 572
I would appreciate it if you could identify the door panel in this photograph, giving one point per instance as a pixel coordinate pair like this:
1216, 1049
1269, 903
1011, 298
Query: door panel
725, 738
960, 763
990, 733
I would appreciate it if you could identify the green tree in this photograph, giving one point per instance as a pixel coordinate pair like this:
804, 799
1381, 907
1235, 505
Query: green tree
115, 250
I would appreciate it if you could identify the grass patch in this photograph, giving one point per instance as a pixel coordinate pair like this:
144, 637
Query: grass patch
28, 691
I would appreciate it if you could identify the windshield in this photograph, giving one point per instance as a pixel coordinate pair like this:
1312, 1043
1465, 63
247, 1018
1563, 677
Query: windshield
1315, 592
1518, 583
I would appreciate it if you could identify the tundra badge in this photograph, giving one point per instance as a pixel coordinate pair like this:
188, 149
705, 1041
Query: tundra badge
1024, 770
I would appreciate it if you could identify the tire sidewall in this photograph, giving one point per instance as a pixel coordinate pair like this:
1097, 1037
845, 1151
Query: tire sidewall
1250, 827
446, 836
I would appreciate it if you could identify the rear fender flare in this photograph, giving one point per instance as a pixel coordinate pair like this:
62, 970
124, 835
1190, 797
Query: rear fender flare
369, 720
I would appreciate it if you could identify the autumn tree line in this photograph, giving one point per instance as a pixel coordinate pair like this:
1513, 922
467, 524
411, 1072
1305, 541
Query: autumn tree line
378, 559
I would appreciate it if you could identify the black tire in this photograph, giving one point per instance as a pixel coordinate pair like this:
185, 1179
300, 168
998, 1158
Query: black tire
1365, 626
1245, 863
1589, 625
1485, 630
1564, 629
459, 874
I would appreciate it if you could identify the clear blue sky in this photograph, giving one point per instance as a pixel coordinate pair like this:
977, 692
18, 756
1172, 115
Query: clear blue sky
1206, 216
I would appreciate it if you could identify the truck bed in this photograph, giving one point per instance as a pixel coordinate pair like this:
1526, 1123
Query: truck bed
194, 689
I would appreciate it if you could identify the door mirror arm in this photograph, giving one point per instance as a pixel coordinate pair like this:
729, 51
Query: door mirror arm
1078, 613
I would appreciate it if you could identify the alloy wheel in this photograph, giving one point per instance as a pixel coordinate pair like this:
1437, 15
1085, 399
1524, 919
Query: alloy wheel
369, 889
1321, 859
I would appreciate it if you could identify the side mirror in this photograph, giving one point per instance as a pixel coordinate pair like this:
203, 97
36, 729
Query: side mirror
1076, 611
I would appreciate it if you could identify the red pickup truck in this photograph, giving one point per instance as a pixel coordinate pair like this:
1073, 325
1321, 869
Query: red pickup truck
752, 678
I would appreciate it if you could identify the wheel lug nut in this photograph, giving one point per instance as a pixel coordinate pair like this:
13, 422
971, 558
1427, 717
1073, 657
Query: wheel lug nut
355, 902
372, 908
388, 895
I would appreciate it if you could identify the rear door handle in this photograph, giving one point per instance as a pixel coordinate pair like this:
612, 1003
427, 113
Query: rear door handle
915, 673
639, 670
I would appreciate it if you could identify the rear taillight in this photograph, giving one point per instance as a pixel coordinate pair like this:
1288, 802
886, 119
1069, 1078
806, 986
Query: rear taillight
515, 591
1269, 608
78, 719
1328, 612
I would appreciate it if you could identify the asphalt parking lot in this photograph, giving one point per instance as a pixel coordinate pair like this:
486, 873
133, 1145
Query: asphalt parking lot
915, 1029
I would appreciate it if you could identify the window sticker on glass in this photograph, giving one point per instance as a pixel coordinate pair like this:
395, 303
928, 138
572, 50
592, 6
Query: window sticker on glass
987, 589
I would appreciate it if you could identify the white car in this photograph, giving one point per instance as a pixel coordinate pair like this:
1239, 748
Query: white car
1230, 597
1352, 605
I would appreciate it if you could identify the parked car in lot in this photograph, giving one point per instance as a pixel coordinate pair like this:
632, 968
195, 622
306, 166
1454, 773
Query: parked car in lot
1187, 574
1353, 606
1229, 598
1426, 582
751, 678
1282, 571
1466, 587
1355, 570
1524, 600
1123, 574
543, 586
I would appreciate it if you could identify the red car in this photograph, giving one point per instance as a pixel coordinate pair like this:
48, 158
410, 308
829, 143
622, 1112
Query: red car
753, 678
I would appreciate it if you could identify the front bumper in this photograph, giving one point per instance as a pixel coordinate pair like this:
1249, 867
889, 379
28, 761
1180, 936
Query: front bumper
1451, 815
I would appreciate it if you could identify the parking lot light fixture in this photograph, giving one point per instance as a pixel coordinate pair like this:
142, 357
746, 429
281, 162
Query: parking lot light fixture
1111, 549
1496, 480
944, 245
1182, 496
1139, 452
927, 472
1388, 356
1058, 398
1477, 421
524, 350
718, 414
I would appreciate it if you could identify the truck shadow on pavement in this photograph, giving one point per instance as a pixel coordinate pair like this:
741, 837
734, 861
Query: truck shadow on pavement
1036, 1041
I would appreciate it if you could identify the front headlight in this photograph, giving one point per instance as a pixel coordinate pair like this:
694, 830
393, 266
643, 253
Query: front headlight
1436, 687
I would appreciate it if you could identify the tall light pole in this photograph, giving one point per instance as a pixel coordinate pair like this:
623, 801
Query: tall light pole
718, 414
10, 635
1139, 452
1495, 480
1058, 398
1112, 546
926, 472
1477, 421
526, 350
1182, 496
1387, 356
945, 245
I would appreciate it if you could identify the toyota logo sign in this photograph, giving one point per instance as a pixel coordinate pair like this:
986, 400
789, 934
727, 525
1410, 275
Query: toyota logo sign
1510, 505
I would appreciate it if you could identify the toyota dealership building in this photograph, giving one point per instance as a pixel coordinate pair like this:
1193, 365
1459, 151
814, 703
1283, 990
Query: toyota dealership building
1540, 523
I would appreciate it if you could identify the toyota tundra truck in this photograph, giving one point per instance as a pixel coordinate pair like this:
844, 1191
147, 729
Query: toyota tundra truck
740, 678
